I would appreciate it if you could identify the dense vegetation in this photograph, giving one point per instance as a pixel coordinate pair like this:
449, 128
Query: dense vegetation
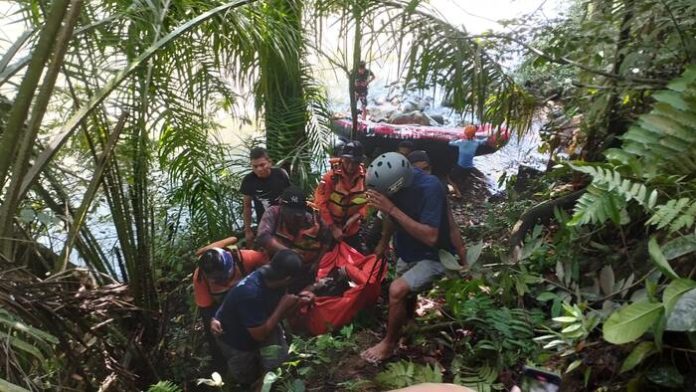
112, 174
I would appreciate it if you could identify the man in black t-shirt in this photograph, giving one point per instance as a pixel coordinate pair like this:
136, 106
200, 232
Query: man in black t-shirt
362, 79
263, 186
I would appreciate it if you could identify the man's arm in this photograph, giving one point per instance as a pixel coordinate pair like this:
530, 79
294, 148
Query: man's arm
267, 227
456, 238
322, 198
246, 215
426, 233
388, 228
217, 244
286, 305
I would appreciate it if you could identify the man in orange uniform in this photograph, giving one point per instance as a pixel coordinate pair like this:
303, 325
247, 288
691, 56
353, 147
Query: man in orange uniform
220, 268
291, 225
340, 197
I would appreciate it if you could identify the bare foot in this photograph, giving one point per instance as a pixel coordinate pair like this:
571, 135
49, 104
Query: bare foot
379, 352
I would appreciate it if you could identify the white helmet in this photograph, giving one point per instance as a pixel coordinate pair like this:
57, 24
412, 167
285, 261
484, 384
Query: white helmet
389, 173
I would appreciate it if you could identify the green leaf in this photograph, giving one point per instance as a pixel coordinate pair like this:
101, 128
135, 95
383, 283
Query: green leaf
268, 380
607, 280
631, 322
659, 259
546, 296
674, 290
473, 253
683, 317
26, 215
565, 319
571, 328
574, 365
7, 319
639, 353
666, 376
679, 247
22, 345
449, 261
7, 386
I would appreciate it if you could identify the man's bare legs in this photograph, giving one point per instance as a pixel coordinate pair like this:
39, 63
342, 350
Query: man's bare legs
398, 315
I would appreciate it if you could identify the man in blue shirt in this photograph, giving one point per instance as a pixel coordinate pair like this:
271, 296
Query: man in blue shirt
467, 147
462, 172
248, 321
415, 204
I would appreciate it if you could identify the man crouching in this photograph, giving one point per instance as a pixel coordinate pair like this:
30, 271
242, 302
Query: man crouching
248, 321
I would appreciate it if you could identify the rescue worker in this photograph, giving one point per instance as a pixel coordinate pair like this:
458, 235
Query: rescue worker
290, 225
248, 322
220, 267
340, 197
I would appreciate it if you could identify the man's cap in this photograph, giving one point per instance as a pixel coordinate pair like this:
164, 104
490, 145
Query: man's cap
362, 63
418, 156
293, 197
353, 150
285, 263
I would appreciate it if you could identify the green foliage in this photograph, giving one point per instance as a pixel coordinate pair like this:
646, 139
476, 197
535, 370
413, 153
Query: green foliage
199, 180
27, 349
631, 322
666, 376
661, 145
164, 386
404, 373
674, 215
575, 327
502, 335
642, 351
481, 379
10, 387
309, 354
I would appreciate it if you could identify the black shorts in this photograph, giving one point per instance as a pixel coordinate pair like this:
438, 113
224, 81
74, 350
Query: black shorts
361, 96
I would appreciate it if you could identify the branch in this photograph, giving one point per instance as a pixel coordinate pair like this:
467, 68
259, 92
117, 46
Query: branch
567, 61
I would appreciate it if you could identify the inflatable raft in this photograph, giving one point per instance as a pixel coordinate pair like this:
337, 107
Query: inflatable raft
382, 137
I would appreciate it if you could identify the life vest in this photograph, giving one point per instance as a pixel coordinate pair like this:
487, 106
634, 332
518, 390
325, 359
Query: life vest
335, 163
347, 200
306, 242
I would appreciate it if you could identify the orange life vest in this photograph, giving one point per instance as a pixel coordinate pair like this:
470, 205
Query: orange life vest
306, 242
347, 198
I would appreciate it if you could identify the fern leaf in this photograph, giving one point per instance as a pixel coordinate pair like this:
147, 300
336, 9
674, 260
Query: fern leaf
613, 181
675, 214
597, 206
428, 374
665, 138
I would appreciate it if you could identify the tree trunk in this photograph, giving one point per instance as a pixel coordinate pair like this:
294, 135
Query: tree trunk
281, 84
357, 54
21, 105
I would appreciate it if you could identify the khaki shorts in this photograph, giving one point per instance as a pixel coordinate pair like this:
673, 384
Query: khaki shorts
419, 275
247, 366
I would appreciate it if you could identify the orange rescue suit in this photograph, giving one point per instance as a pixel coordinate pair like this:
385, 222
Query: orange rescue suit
340, 196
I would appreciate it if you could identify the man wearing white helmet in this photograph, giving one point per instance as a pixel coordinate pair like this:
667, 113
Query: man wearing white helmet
415, 203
